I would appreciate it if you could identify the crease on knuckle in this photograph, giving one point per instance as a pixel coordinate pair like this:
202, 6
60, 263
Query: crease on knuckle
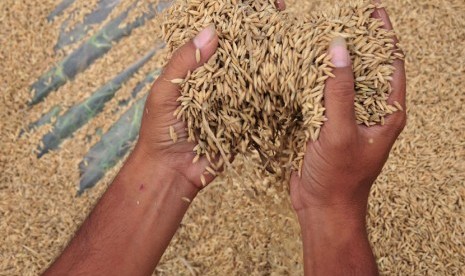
344, 84
342, 90
174, 67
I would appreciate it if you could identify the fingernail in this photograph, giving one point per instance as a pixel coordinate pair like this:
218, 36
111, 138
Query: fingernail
205, 36
339, 53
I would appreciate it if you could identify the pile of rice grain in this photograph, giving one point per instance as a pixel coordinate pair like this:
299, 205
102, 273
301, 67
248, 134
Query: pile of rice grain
263, 89
416, 220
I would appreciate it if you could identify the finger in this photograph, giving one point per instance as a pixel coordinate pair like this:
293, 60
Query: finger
398, 82
186, 59
339, 94
399, 85
280, 5
380, 13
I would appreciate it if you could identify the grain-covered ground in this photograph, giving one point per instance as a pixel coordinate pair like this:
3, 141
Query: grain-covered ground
417, 214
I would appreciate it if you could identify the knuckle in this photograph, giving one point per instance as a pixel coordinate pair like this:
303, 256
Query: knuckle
179, 57
344, 85
177, 65
341, 89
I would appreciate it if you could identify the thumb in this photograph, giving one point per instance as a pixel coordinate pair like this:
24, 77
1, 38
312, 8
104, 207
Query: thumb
186, 59
340, 91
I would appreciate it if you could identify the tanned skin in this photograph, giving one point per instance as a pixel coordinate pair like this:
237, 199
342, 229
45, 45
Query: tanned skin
331, 196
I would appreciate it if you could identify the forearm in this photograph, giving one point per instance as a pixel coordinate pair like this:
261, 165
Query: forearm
336, 242
131, 226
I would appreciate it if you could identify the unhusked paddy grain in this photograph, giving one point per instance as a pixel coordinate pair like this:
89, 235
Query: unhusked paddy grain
186, 199
202, 180
197, 55
244, 225
262, 91
173, 135
177, 81
210, 171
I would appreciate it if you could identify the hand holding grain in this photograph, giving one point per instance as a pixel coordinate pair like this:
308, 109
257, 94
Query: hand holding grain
331, 195
341, 166
163, 137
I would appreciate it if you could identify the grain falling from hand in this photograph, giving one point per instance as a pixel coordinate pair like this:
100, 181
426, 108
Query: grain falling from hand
263, 89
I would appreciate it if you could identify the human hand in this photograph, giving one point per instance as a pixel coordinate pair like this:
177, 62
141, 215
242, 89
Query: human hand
331, 195
155, 141
340, 168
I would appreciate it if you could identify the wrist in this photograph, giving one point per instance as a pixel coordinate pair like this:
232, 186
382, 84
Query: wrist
351, 214
135, 219
148, 172
332, 236
336, 227
342, 221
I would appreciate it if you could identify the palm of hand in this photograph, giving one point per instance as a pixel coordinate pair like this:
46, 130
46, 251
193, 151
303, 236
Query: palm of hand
341, 171
155, 139
340, 168
174, 154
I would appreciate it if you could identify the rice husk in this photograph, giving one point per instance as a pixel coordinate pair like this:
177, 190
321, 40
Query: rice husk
416, 218
263, 90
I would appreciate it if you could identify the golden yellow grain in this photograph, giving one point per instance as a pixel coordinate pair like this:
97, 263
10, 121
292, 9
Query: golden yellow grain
196, 159
173, 135
177, 81
197, 55
211, 171
233, 104
202, 180
398, 105
420, 191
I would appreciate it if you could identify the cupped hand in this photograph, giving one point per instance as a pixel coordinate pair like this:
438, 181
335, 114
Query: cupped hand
341, 166
155, 141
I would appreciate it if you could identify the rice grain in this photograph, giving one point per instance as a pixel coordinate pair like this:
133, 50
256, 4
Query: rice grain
262, 91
